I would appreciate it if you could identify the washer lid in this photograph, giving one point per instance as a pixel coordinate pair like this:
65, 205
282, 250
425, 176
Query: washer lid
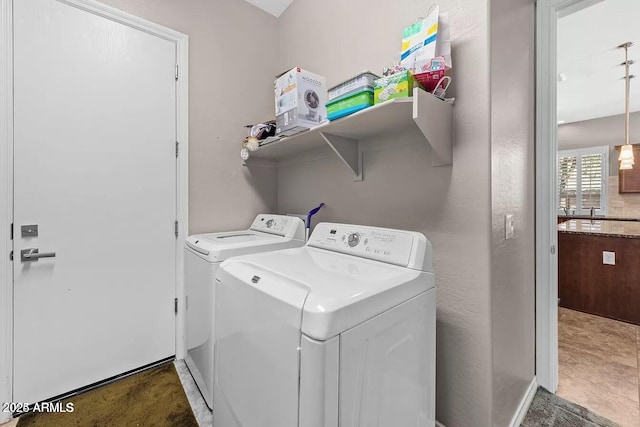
267, 232
216, 247
344, 290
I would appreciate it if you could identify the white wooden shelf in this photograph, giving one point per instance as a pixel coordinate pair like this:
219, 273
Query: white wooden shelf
430, 115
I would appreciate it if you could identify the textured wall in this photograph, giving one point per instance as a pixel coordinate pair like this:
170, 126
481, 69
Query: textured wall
606, 131
512, 187
598, 132
232, 60
451, 205
603, 131
485, 305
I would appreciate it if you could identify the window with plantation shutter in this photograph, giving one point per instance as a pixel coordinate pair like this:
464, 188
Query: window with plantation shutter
591, 181
582, 178
567, 180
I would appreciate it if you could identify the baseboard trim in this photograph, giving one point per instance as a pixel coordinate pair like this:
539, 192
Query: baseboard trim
518, 417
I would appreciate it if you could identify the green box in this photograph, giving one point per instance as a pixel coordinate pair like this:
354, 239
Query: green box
349, 105
399, 85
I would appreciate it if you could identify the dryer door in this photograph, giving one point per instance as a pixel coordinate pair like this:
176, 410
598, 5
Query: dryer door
257, 329
387, 367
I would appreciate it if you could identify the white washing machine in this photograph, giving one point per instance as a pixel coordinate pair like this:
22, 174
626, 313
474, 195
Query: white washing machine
340, 332
203, 255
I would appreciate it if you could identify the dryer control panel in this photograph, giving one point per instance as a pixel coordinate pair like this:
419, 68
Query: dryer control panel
404, 248
282, 225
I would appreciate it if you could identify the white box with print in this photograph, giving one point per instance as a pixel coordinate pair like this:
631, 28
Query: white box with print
300, 98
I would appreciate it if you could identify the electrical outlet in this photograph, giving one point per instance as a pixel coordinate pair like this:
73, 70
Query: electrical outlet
608, 258
509, 227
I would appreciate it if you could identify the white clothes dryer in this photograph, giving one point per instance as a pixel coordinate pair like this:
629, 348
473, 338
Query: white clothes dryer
203, 255
340, 332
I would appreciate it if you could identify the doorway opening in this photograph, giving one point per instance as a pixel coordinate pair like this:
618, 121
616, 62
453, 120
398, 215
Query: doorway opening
588, 211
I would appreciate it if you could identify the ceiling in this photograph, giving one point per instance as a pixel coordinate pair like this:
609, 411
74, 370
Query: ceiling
274, 7
589, 59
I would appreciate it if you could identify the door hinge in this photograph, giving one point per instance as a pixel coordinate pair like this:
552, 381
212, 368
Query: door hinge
176, 71
177, 145
11, 256
11, 231
176, 228
175, 305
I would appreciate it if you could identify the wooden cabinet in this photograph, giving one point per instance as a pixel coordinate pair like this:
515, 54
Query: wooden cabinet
629, 180
586, 284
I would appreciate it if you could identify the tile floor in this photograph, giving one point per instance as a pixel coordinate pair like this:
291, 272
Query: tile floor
203, 415
599, 365
599, 368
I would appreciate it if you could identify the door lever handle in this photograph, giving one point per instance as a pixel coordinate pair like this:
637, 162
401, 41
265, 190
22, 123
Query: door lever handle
32, 254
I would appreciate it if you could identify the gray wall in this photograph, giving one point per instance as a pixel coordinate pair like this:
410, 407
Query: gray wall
228, 88
597, 132
606, 131
451, 205
512, 186
485, 285
603, 131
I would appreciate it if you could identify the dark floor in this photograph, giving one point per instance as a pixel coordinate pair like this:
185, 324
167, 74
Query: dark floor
549, 410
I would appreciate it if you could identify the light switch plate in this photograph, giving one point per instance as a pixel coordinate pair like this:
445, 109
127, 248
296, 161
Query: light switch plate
509, 227
608, 258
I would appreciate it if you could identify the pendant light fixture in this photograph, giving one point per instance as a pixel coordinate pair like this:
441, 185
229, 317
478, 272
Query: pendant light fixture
626, 151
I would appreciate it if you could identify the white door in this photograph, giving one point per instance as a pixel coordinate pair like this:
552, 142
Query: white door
95, 170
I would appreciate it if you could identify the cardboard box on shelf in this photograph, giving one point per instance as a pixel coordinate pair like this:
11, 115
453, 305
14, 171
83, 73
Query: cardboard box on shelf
419, 40
350, 104
300, 98
352, 86
399, 85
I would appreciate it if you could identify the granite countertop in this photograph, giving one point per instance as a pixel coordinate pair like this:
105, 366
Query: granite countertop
607, 228
599, 217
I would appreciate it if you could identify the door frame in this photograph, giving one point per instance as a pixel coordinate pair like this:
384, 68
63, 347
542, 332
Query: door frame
547, 14
6, 171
